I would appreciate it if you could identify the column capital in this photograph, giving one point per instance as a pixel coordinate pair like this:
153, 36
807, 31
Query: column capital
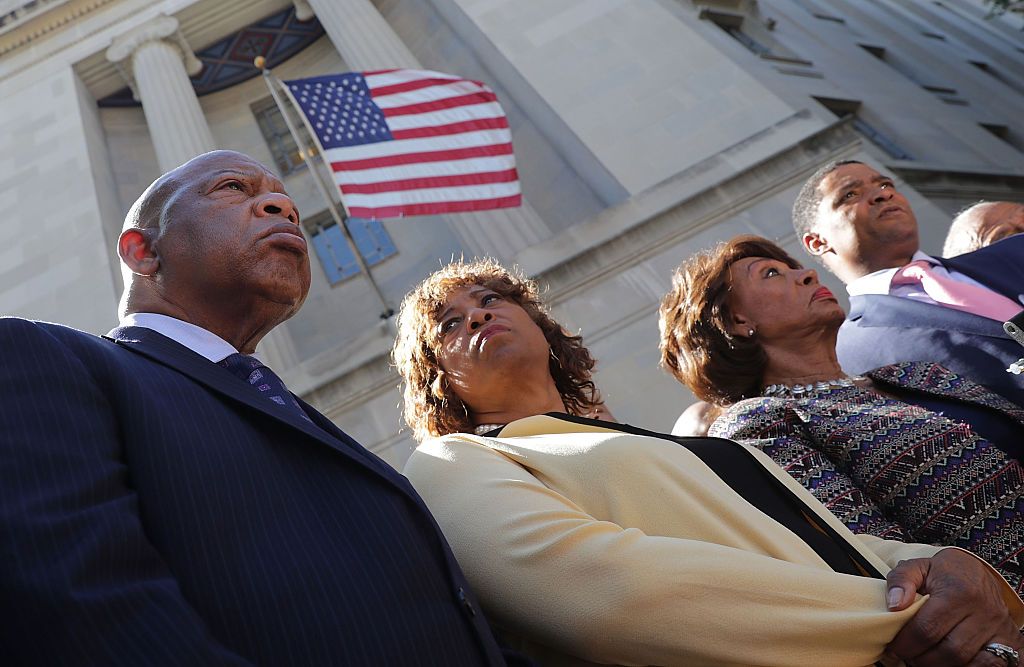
303, 11
162, 28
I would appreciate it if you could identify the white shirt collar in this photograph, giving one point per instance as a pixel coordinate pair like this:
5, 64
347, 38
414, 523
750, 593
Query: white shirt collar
197, 339
879, 281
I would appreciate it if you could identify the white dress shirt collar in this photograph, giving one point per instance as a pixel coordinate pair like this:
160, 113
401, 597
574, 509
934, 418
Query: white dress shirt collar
197, 339
879, 281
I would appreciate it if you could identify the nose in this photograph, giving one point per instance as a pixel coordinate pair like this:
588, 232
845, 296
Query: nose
808, 277
278, 204
881, 194
477, 318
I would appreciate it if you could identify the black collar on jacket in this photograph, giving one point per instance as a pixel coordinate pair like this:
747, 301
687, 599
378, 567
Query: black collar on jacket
744, 473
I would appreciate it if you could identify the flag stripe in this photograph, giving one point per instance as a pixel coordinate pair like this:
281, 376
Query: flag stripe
447, 103
388, 77
440, 91
432, 156
453, 128
454, 115
422, 145
506, 176
406, 86
423, 196
435, 208
476, 165
381, 72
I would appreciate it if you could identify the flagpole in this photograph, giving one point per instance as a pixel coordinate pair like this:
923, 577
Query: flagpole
339, 215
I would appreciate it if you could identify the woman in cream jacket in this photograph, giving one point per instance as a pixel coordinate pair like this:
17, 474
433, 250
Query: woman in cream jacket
592, 541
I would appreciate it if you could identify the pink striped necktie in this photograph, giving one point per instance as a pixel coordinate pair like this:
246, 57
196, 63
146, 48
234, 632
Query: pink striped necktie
953, 294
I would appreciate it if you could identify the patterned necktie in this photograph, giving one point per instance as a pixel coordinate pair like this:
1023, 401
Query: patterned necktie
953, 294
255, 373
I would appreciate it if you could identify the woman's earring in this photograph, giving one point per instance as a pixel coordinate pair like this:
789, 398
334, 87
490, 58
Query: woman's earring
750, 332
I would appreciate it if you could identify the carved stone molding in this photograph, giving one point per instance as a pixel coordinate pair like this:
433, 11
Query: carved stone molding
24, 11
43, 20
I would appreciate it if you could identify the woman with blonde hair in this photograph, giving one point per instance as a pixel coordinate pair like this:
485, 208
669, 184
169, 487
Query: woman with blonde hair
592, 541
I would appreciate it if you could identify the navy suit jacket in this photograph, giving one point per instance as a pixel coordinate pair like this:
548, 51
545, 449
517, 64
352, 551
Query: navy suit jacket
882, 329
154, 509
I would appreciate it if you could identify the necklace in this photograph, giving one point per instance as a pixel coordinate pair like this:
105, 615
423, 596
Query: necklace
798, 390
485, 428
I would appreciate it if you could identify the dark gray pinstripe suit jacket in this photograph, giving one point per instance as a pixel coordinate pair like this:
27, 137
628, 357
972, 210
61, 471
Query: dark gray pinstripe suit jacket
156, 510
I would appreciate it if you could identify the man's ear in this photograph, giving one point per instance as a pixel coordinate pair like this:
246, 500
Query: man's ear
135, 247
815, 244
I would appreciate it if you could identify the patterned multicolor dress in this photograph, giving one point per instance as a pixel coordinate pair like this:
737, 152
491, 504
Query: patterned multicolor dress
897, 470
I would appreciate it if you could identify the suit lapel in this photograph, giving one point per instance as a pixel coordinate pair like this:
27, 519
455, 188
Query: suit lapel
931, 378
368, 457
167, 352
882, 310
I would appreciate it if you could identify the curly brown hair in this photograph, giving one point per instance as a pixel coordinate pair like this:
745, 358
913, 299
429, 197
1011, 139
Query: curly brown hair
431, 407
696, 346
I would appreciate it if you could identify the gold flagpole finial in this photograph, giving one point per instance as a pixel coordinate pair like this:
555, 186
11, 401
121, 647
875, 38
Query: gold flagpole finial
259, 61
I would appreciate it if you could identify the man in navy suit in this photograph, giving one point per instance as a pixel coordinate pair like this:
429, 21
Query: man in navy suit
855, 221
159, 506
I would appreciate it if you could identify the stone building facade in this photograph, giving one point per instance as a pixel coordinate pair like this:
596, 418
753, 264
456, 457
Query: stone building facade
644, 130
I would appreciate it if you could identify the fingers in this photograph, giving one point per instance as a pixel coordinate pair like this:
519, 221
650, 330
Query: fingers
986, 659
951, 652
965, 645
965, 610
926, 638
903, 582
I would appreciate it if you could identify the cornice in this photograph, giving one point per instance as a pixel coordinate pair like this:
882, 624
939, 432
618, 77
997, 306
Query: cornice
202, 22
43, 23
15, 15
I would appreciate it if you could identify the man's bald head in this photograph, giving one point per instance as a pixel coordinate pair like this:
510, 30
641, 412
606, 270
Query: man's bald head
147, 211
216, 242
983, 224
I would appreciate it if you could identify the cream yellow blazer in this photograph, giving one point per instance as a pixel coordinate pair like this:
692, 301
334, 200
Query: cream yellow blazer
595, 544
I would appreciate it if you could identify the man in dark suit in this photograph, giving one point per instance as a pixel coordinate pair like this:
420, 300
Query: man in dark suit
904, 304
165, 500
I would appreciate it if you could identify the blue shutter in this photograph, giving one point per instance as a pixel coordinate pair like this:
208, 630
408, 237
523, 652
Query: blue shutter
335, 256
372, 240
332, 249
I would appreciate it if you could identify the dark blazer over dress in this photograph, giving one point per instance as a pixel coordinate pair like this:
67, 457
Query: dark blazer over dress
155, 509
882, 329
915, 468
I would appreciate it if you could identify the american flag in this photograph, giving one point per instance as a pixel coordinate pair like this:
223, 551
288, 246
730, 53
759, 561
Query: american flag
411, 142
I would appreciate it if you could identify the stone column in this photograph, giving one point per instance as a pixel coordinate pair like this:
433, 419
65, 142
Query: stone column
156, 61
365, 41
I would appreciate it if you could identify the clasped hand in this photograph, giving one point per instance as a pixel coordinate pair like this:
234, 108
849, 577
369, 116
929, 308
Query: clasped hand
964, 613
